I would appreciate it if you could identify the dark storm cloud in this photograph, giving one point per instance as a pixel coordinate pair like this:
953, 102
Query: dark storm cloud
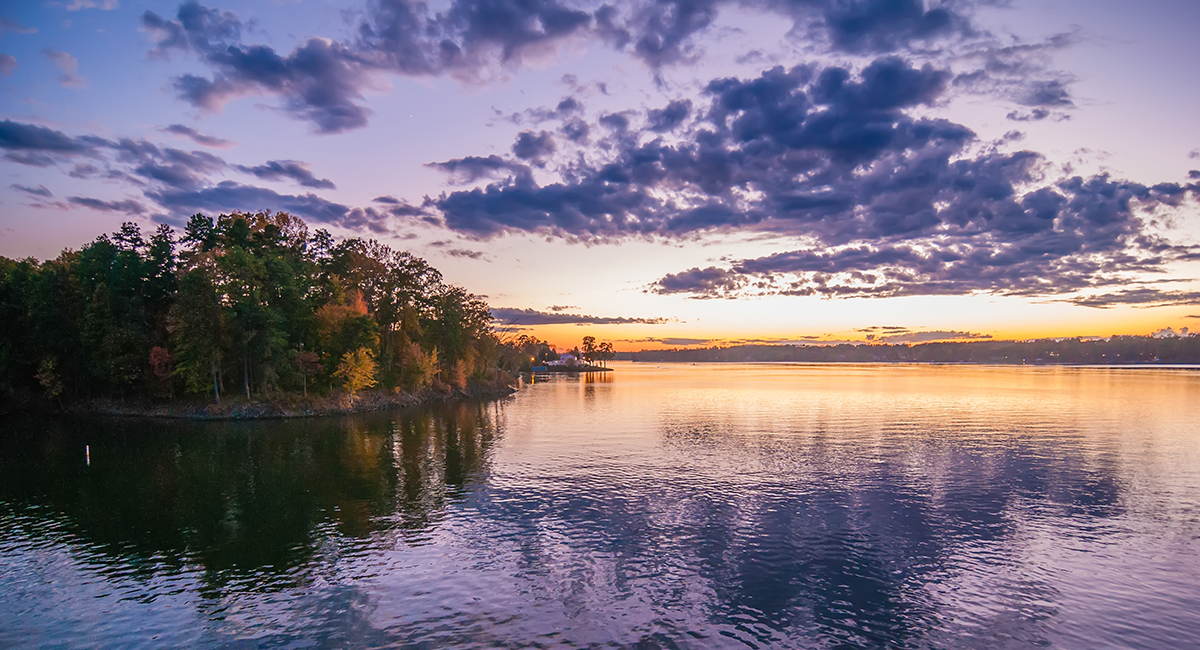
292, 170
128, 206
198, 137
322, 81
39, 191
535, 317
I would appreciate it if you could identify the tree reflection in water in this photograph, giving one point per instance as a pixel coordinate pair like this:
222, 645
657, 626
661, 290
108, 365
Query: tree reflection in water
248, 502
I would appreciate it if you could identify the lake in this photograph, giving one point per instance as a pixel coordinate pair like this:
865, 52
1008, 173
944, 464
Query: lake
657, 506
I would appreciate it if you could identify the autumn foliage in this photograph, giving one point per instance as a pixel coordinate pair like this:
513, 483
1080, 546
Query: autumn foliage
245, 304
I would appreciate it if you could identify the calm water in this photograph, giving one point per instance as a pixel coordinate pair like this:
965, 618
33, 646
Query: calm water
658, 506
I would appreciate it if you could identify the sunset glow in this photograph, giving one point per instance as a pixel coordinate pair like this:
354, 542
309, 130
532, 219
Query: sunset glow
651, 174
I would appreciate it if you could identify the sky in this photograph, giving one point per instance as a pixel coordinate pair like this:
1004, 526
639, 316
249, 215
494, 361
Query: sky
652, 173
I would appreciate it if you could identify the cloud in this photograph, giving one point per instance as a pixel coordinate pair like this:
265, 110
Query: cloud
463, 171
1018, 72
668, 341
1137, 297
892, 203
295, 171
708, 282
229, 196
105, 5
566, 108
39, 146
181, 182
127, 206
934, 335
558, 308
615, 121
39, 191
12, 25
533, 317
466, 253
171, 167
670, 116
8, 64
1036, 115
323, 80
198, 137
534, 147
68, 65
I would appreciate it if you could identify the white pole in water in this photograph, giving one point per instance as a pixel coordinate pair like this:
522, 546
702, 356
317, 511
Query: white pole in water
87, 453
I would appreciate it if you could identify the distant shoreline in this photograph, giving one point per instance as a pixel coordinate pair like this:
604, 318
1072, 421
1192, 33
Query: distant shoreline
1114, 366
1113, 351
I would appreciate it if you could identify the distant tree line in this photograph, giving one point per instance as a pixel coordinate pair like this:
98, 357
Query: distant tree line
1114, 350
249, 304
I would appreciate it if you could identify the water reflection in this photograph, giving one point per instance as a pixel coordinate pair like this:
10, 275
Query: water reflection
739, 506
240, 500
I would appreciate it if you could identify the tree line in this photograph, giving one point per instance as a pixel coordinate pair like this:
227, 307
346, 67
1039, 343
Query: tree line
249, 304
1113, 350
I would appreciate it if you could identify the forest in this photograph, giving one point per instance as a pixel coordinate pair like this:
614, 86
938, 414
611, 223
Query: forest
247, 305
1115, 350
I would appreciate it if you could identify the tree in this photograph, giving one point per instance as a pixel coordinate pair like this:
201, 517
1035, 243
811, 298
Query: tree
357, 371
588, 348
309, 363
197, 327
248, 295
606, 353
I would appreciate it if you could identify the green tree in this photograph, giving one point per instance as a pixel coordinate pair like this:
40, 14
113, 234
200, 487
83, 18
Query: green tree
198, 336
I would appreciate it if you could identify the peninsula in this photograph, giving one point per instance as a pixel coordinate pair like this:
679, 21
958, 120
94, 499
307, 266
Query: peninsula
245, 315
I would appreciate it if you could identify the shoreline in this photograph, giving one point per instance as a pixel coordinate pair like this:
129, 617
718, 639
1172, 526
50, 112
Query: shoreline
565, 370
286, 407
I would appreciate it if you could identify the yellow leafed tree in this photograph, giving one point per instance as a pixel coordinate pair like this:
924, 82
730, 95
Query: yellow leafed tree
357, 371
